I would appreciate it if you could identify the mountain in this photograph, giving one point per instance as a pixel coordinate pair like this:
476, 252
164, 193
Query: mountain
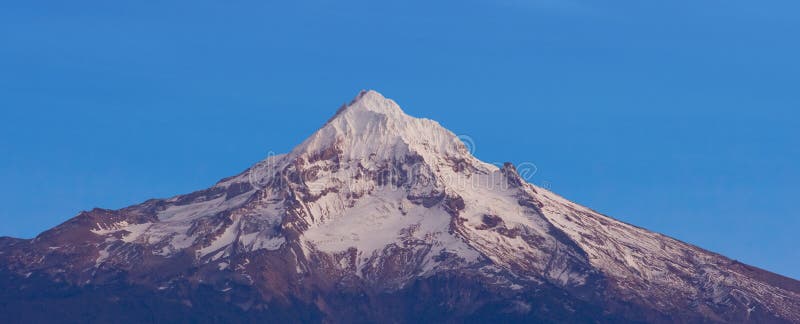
377, 217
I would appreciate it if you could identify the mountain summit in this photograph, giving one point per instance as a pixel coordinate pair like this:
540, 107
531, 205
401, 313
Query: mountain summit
376, 217
372, 124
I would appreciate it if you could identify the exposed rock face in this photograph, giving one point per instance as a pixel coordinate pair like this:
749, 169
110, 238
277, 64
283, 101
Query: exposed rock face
377, 217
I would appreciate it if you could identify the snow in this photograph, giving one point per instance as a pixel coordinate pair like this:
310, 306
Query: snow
135, 231
176, 213
376, 222
103, 255
224, 240
376, 127
103, 229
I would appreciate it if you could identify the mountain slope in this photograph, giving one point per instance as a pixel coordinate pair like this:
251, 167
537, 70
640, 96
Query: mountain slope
378, 216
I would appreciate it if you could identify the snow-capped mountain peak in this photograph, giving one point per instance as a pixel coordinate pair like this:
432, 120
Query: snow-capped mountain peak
373, 127
371, 100
379, 204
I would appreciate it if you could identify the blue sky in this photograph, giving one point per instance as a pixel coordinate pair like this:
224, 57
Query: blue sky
677, 116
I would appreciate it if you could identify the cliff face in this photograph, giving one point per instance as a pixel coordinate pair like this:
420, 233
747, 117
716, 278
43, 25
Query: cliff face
378, 217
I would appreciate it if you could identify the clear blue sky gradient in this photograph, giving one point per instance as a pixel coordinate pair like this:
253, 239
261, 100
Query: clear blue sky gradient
678, 116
